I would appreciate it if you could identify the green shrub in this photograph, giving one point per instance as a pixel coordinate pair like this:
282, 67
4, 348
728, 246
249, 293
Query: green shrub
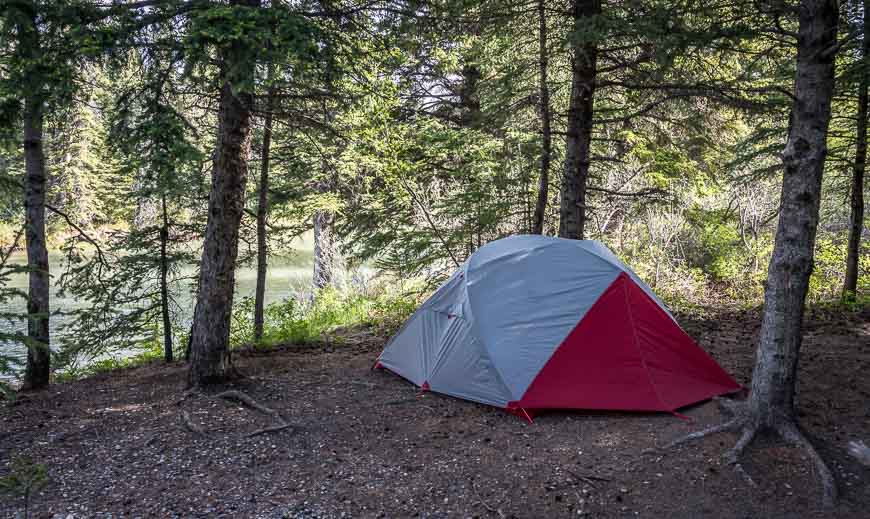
150, 352
24, 478
299, 322
829, 270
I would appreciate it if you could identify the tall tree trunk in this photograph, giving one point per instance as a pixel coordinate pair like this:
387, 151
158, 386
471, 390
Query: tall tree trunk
546, 134
164, 283
38, 368
856, 220
572, 210
262, 211
209, 348
773, 381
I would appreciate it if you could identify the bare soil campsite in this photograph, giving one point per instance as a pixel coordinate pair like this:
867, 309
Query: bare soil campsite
365, 443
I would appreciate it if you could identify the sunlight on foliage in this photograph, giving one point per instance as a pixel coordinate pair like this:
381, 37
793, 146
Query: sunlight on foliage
294, 321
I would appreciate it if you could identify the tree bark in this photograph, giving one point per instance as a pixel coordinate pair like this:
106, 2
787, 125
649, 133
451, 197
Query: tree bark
209, 348
771, 400
546, 133
38, 368
164, 283
856, 219
324, 219
324, 249
572, 210
262, 211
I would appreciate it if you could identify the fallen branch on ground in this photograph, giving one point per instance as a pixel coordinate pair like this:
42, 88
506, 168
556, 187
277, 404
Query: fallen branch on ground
588, 479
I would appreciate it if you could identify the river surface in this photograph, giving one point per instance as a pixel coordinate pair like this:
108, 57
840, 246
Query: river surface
287, 276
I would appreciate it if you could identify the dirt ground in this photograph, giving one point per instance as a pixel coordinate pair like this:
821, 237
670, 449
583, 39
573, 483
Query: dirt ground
368, 444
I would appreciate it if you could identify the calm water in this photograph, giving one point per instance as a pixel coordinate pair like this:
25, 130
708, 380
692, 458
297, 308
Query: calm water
287, 276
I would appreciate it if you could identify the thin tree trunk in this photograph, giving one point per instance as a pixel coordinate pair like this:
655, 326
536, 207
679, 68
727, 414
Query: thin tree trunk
324, 249
164, 283
856, 219
546, 134
262, 211
209, 348
324, 219
38, 368
773, 382
572, 210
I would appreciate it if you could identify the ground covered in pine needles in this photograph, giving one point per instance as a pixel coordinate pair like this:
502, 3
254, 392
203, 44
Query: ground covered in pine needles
350, 442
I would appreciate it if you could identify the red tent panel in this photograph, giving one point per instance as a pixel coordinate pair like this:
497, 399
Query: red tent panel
626, 354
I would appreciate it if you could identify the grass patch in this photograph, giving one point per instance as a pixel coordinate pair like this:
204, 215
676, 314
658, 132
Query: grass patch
149, 353
296, 321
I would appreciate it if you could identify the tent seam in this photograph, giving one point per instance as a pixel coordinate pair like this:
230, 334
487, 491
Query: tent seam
498, 372
637, 342
476, 336
479, 336
624, 268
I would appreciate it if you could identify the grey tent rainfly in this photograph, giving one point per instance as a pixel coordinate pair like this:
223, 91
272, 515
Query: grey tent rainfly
531, 322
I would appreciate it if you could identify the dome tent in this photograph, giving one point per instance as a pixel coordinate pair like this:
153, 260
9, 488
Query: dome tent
532, 322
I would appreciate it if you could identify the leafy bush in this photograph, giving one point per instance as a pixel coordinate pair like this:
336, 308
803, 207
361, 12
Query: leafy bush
149, 352
24, 478
298, 322
829, 270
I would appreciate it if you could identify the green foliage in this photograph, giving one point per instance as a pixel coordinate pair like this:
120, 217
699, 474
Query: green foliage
293, 322
246, 34
25, 477
829, 269
144, 354
717, 247
12, 323
419, 128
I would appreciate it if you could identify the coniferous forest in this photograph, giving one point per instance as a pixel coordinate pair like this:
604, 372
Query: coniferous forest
214, 215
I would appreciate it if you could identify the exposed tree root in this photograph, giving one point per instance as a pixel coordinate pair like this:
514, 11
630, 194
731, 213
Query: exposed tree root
190, 425
486, 505
273, 428
790, 433
733, 454
729, 426
749, 430
860, 452
746, 437
280, 423
248, 401
187, 394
